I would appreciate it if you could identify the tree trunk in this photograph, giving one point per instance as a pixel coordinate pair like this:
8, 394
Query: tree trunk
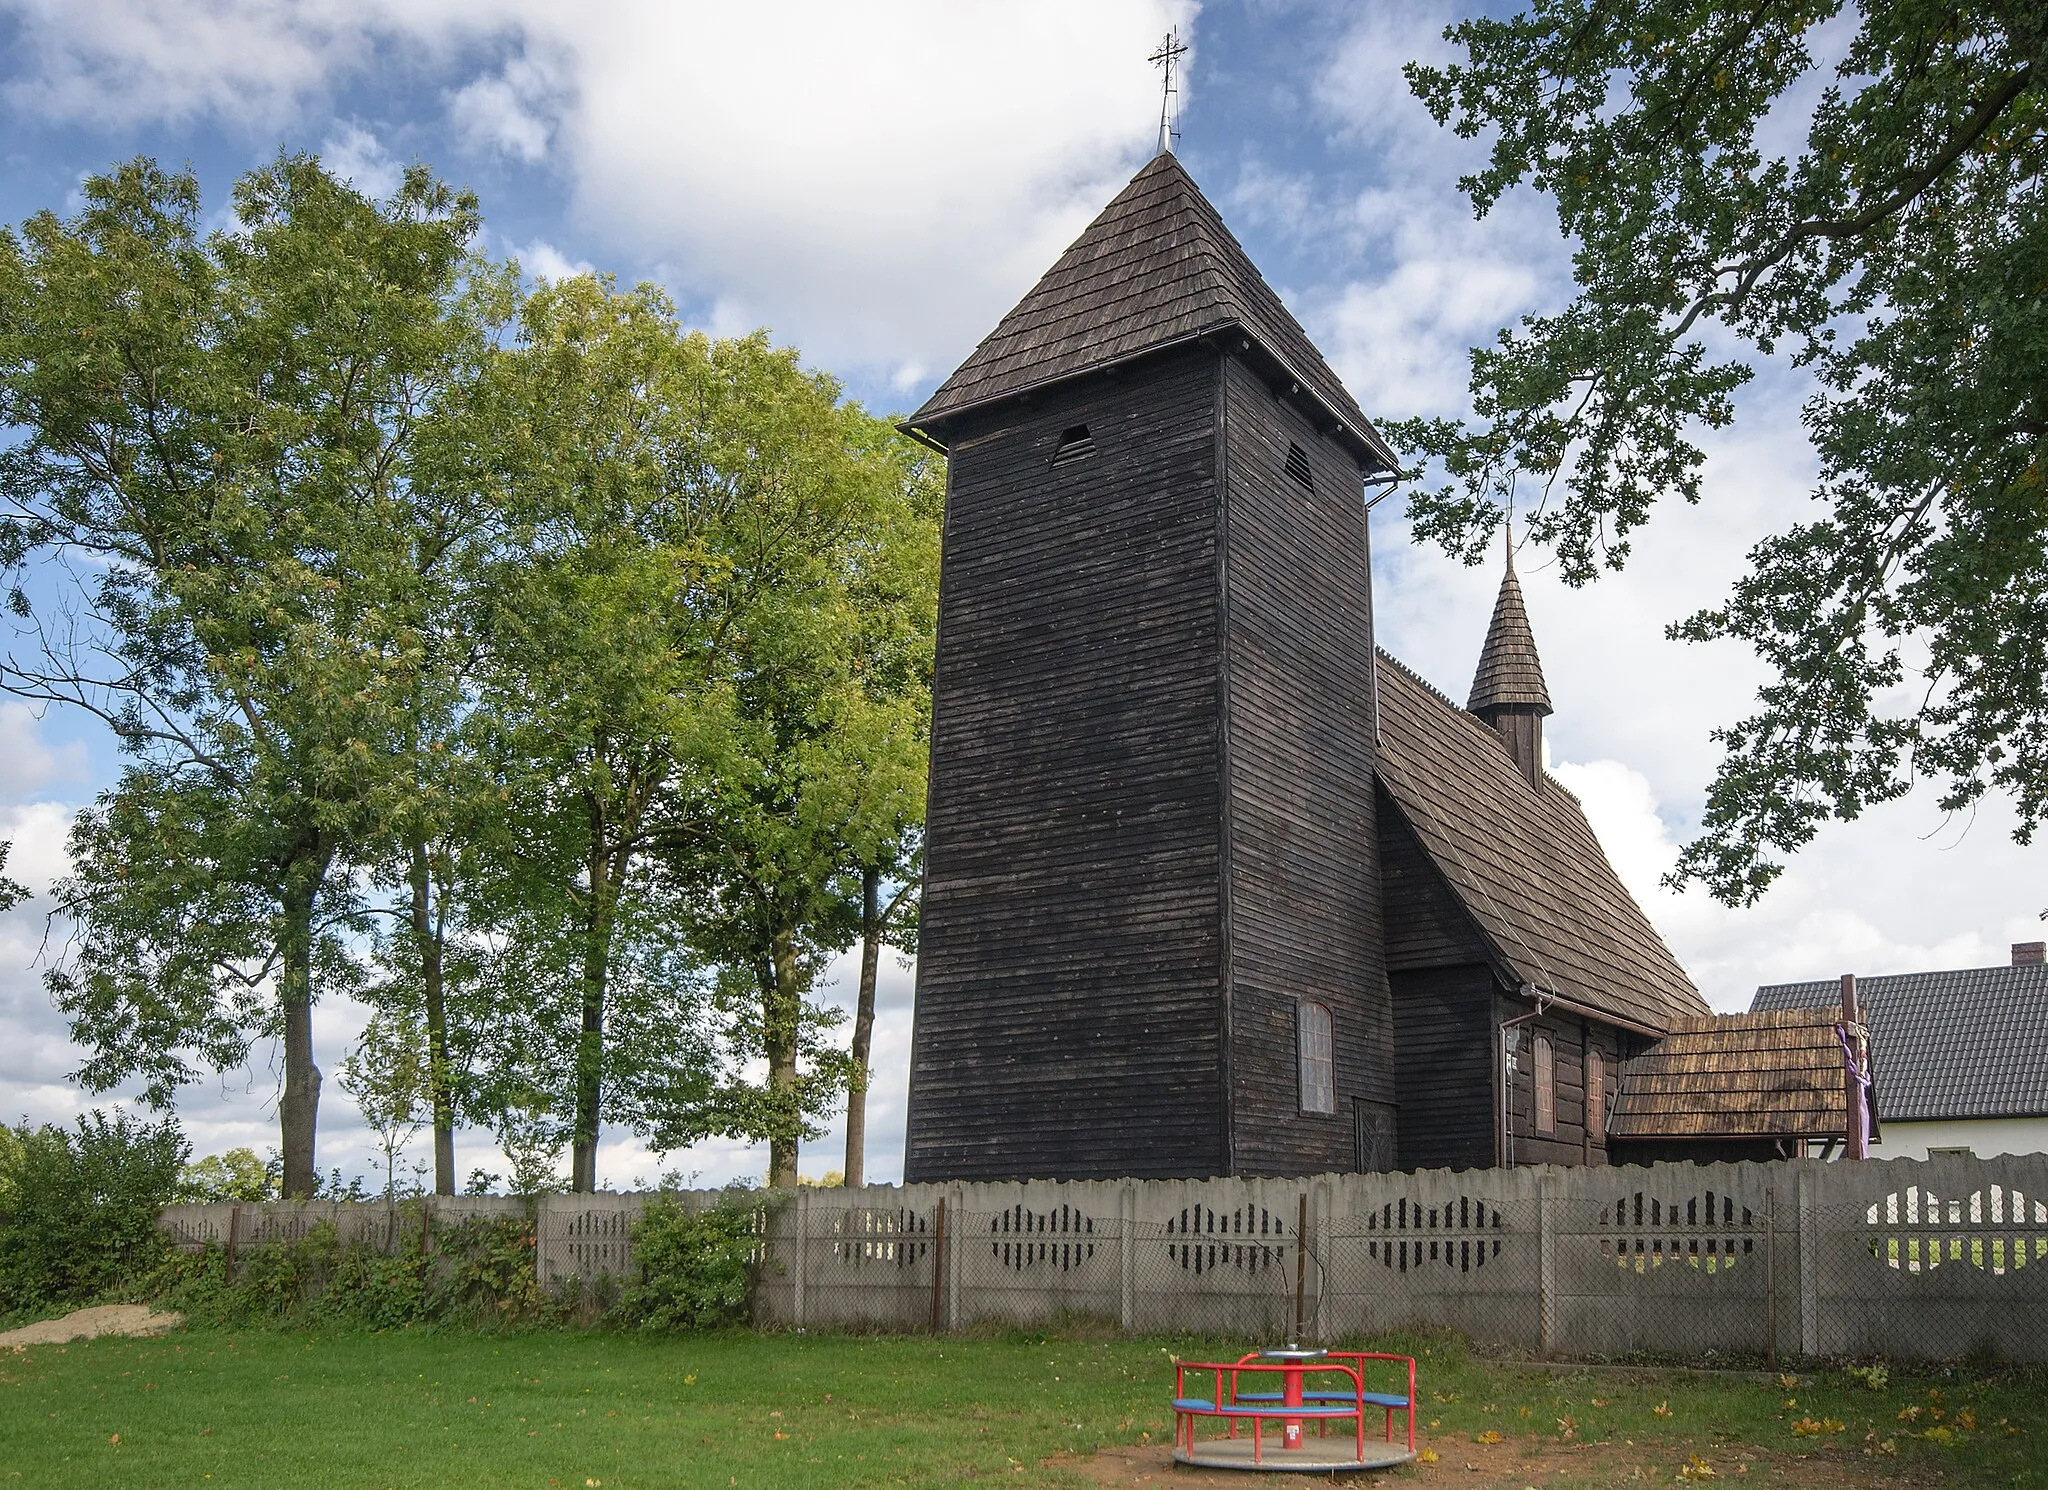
427, 931
863, 1027
298, 1110
590, 1041
779, 1031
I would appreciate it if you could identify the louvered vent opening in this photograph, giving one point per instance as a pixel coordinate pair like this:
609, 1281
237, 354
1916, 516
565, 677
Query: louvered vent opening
1075, 444
1297, 466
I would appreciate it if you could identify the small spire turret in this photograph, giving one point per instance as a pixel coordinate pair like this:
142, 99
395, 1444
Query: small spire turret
1508, 691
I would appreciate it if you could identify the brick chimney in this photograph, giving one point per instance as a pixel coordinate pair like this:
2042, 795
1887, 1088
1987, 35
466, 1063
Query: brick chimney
2029, 954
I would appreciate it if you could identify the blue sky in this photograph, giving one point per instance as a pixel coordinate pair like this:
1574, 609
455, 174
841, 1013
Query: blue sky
877, 184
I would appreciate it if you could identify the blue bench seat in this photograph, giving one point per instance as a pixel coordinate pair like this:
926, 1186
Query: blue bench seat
1246, 1407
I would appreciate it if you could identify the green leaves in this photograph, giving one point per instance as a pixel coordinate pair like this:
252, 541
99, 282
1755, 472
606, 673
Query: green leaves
1900, 252
216, 453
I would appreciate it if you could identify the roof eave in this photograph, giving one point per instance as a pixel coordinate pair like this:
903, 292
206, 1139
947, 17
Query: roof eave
1376, 456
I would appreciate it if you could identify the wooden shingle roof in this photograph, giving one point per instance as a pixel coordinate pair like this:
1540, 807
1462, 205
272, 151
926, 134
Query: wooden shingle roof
1775, 1074
1157, 267
1509, 671
1524, 863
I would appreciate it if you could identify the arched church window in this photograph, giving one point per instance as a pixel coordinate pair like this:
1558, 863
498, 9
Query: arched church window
1546, 1087
1596, 1096
1318, 1058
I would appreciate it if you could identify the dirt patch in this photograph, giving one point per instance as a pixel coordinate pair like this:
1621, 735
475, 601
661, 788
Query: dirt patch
85, 1324
1544, 1465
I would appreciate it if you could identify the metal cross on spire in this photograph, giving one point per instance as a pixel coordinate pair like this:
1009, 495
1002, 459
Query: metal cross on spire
1171, 50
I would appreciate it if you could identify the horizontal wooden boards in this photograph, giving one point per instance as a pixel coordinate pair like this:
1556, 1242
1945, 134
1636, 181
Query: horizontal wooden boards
1444, 1067
1068, 1016
1303, 844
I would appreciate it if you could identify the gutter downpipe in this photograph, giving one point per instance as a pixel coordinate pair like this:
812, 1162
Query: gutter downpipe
1510, 1042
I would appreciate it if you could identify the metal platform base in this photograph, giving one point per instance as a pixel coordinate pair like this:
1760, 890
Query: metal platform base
1315, 1456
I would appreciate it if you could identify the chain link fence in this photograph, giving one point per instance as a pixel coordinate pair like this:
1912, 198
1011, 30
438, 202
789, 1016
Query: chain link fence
1903, 1258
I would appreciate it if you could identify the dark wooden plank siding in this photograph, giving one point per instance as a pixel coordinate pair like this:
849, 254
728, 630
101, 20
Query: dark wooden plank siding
1426, 925
1569, 1038
1304, 888
1068, 1001
1445, 1071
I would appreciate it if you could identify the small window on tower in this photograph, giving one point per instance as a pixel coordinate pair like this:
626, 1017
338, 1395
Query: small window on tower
1297, 466
1596, 1096
1546, 1087
1075, 444
1318, 1058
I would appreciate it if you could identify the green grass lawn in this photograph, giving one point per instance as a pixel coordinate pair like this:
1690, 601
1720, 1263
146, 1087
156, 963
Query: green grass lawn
570, 1408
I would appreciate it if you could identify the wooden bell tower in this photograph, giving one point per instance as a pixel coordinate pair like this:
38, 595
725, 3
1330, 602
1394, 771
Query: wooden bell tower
1151, 939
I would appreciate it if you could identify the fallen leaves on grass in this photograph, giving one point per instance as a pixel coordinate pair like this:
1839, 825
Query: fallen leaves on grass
1817, 1427
1489, 1436
1696, 1468
1425, 1455
1662, 1410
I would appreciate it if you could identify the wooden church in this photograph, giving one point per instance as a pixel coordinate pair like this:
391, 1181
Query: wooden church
1213, 886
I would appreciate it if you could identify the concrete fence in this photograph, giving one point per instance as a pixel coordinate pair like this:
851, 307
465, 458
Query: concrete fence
1912, 1259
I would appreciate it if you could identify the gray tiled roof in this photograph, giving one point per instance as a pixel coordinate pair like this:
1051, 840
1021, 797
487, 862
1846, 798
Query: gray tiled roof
1509, 671
1972, 1043
1157, 266
1524, 862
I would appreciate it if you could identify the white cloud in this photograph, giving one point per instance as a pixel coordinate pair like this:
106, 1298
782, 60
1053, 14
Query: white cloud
357, 156
878, 183
27, 761
513, 111
543, 260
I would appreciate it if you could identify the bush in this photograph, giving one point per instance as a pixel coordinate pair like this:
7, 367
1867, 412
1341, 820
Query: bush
480, 1271
696, 1271
82, 1207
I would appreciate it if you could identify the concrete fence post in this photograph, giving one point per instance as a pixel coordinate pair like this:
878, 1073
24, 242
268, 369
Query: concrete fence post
1771, 1277
800, 1219
1127, 1224
953, 1267
1809, 1267
1546, 1251
1321, 1206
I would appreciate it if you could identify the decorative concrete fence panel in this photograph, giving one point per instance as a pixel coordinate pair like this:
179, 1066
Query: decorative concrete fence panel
1678, 1259
1443, 1248
1913, 1259
1945, 1256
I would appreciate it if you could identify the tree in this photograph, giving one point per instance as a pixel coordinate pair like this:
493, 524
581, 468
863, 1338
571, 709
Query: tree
1901, 253
236, 1175
603, 611
814, 761
215, 438
388, 1074
11, 892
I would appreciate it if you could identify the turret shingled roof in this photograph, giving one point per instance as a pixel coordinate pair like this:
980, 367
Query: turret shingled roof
1157, 267
1509, 671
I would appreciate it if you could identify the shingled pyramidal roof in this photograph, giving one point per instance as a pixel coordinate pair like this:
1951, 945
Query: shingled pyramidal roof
1157, 267
1509, 671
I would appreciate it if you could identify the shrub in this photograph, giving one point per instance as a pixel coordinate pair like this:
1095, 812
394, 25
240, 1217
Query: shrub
83, 1206
479, 1271
696, 1271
